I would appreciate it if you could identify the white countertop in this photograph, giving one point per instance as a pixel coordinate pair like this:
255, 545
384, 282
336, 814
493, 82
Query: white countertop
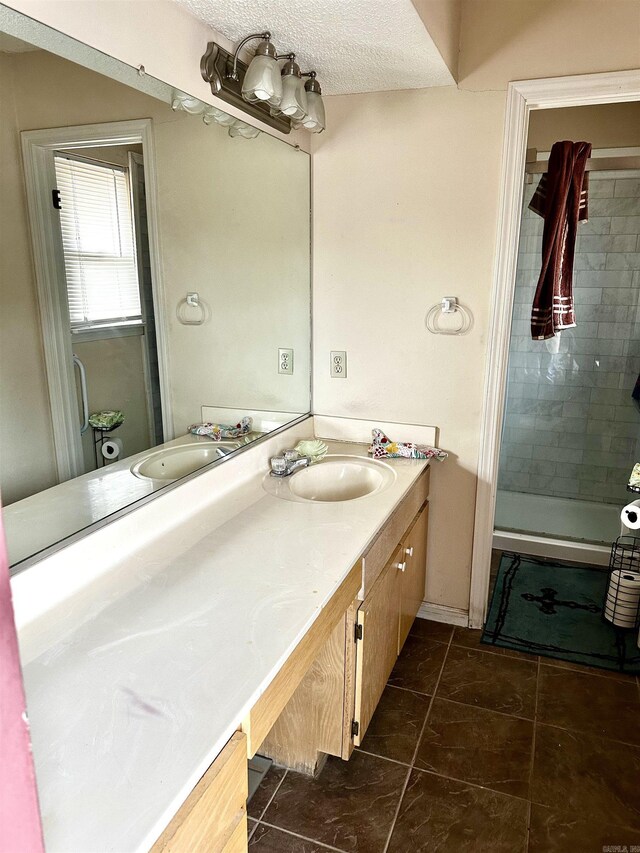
131, 706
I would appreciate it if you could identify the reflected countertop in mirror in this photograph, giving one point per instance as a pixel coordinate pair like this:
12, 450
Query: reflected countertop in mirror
55, 514
97, 312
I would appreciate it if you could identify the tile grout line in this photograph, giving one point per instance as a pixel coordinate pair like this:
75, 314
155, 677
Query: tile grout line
520, 657
303, 837
478, 785
383, 757
533, 753
573, 731
586, 669
407, 690
488, 710
415, 751
271, 798
582, 669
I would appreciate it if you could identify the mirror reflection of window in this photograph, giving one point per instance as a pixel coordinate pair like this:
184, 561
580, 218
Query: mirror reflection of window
98, 242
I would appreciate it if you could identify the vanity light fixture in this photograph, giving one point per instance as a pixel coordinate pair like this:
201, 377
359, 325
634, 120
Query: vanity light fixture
294, 97
262, 80
276, 95
212, 115
314, 121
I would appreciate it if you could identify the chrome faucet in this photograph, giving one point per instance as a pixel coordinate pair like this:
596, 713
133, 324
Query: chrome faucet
288, 463
223, 451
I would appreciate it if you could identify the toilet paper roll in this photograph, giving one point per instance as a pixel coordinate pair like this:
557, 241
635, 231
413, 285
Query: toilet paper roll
111, 449
622, 604
630, 517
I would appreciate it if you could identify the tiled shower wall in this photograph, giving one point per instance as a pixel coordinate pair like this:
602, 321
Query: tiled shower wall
571, 428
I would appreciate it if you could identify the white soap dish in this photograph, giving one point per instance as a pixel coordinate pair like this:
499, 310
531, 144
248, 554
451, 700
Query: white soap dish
313, 448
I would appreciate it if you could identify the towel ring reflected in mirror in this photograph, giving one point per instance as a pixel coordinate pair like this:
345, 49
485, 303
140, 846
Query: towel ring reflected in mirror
448, 305
192, 300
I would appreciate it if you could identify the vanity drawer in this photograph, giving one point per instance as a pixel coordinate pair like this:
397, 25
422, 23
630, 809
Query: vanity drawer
378, 555
213, 818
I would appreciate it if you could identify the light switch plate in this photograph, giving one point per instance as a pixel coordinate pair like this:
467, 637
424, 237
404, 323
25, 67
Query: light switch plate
285, 361
338, 364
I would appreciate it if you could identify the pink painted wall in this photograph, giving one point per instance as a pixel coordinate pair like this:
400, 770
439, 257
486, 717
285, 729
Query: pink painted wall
20, 828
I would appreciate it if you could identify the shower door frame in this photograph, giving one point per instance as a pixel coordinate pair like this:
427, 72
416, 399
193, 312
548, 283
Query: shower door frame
523, 97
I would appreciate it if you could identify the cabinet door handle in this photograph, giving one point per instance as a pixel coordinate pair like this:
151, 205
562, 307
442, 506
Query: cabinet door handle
409, 551
402, 566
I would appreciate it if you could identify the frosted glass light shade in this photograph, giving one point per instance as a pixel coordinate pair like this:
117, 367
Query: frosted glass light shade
182, 101
214, 115
314, 121
246, 131
263, 82
294, 98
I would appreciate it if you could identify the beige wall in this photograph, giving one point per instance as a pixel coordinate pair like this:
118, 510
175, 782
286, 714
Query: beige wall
235, 228
603, 125
406, 189
29, 465
442, 18
405, 213
503, 40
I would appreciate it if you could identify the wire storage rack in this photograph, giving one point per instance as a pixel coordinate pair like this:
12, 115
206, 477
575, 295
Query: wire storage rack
622, 601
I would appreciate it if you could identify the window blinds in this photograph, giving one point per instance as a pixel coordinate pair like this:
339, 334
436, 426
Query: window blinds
98, 243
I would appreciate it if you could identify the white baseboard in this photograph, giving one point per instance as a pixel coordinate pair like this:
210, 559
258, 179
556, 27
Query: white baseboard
442, 613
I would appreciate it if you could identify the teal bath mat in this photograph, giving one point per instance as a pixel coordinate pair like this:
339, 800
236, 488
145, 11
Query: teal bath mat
548, 609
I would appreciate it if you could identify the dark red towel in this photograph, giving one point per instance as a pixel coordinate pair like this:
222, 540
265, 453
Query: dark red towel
561, 198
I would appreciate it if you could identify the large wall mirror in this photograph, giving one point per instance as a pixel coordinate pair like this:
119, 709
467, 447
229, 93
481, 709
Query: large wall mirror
155, 276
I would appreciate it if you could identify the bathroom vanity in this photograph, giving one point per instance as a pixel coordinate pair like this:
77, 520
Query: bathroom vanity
252, 624
340, 674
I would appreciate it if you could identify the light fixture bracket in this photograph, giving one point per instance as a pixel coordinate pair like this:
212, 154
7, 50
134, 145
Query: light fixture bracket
312, 84
216, 67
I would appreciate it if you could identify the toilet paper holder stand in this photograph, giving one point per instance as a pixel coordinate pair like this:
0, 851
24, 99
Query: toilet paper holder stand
624, 560
100, 436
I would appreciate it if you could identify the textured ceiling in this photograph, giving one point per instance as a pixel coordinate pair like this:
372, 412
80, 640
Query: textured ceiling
354, 45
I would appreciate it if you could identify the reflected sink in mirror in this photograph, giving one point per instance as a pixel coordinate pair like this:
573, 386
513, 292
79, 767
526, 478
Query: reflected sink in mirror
334, 479
171, 463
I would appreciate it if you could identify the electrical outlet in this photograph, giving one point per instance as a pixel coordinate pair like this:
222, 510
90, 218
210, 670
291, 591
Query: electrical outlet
338, 364
285, 361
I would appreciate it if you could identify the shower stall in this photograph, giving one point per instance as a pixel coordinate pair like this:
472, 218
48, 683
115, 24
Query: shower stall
571, 429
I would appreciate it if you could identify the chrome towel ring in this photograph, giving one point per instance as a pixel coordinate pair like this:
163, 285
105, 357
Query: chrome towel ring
448, 305
191, 300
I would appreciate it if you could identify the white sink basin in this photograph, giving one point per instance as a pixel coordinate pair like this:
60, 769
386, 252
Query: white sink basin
171, 463
333, 479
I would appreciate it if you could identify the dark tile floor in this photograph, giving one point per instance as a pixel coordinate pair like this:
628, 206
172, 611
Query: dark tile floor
472, 750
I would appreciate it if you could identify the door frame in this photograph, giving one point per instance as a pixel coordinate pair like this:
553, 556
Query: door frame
522, 97
37, 152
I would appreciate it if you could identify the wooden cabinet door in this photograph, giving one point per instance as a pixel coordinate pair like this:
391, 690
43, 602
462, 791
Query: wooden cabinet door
377, 649
213, 818
414, 556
